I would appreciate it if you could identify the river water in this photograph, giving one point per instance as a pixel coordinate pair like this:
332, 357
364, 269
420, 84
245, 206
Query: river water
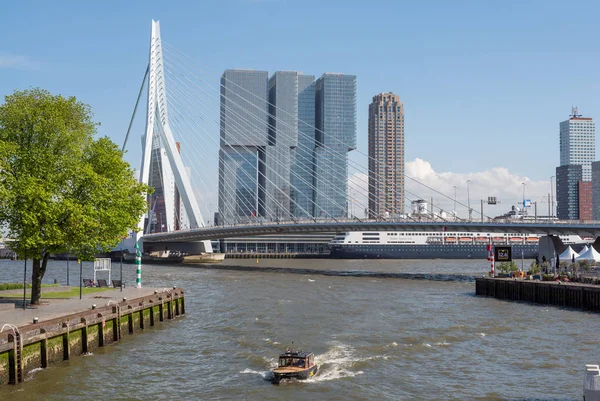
414, 332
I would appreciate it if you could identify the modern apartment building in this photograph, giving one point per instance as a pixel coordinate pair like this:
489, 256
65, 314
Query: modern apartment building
584, 195
578, 142
386, 156
577, 148
335, 118
596, 190
567, 191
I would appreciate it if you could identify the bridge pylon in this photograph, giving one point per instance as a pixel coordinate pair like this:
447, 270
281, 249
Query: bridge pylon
162, 167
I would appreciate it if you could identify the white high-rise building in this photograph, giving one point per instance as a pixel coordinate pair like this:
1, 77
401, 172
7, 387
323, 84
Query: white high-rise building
578, 143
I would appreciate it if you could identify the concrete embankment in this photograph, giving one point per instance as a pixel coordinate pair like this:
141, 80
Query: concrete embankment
68, 328
571, 295
283, 255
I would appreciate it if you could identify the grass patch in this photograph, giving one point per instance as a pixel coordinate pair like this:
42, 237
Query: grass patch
74, 292
19, 286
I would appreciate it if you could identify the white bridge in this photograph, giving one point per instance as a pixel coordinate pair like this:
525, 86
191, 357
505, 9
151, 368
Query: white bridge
181, 124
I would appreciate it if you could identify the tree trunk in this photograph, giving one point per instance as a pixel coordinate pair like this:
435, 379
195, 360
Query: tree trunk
38, 271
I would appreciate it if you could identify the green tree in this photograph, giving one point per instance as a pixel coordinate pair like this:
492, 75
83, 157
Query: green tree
508, 267
60, 188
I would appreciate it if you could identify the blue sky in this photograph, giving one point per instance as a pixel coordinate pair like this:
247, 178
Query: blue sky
484, 83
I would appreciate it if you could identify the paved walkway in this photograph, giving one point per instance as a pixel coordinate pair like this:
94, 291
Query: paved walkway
53, 308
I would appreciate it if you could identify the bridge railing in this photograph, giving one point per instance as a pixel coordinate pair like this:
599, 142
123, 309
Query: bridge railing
450, 223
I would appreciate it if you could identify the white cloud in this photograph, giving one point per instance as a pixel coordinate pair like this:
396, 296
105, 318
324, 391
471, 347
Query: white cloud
16, 62
498, 182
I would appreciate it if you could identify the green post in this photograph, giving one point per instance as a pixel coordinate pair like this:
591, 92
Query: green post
138, 265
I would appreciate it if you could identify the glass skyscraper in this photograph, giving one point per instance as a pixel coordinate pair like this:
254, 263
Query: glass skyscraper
289, 153
335, 120
577, 148
244, 136
272, 158
578, 143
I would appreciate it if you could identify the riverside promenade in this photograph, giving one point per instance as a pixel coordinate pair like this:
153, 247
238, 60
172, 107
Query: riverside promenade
65, 328
52, 308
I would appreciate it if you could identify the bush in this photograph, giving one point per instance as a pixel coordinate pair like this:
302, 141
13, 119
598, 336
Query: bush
534, 268
585, 265
507, 267
19, 286
12, 286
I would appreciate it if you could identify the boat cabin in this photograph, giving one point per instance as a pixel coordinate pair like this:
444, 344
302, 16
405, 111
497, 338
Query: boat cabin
298, 359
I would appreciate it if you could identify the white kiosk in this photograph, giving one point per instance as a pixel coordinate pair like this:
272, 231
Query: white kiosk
102, 264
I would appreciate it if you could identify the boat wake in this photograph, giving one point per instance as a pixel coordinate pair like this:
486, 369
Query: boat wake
267, 375
339, 362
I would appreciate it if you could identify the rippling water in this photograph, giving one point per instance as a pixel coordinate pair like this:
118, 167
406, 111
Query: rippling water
414, 330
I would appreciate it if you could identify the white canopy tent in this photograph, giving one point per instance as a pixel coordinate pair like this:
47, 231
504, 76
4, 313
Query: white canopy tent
590, 254
568, 254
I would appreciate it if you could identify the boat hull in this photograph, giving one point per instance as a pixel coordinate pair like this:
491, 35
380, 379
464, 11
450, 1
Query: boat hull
294, 375
439, 251
158, 260
204, 258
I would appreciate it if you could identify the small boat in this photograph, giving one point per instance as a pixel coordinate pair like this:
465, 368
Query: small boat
153, 259
204, 258
297, 365
591, 383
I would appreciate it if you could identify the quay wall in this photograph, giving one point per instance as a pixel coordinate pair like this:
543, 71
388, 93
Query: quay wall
570, 295
25, 348
247, 255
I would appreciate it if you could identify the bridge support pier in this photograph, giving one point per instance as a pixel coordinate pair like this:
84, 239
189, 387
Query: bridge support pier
550, 246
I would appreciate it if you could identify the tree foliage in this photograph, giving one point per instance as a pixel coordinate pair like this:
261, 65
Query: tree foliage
61, 190
508, 267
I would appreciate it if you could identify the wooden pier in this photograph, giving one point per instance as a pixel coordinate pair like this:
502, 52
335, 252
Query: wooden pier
24, 348
570, 295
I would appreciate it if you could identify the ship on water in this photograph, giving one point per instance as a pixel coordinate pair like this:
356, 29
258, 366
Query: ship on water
442, 245
434, 245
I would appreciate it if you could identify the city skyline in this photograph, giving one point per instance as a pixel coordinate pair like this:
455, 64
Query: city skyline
284, 141
479, 74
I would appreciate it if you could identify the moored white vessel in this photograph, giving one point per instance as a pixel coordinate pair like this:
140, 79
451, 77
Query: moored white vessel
434, 245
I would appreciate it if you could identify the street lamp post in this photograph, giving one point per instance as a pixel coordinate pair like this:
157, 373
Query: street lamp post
469, 199
454, 210
121, 270
491, 201
25, 284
